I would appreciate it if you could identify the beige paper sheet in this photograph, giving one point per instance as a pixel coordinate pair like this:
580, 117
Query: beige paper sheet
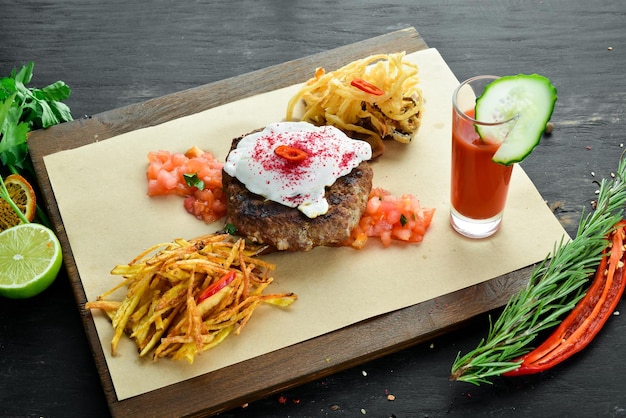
101, 193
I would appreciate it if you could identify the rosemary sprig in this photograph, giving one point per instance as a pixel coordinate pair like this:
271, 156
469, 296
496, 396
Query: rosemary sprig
554, 287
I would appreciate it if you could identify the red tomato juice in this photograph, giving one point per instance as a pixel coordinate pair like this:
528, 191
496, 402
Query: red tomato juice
479, 186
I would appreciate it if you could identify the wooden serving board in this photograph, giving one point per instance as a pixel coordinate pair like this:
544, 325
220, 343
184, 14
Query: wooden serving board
259, 377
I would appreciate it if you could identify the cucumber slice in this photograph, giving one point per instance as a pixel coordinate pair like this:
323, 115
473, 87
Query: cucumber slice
529, 100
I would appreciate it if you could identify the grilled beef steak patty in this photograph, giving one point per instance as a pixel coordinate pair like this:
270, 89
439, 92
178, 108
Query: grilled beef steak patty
285, 228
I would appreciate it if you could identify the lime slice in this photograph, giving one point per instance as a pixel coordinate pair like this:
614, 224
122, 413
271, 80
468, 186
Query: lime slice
30, 259
529, 100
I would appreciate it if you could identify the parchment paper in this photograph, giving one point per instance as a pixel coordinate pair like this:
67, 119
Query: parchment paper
101, 194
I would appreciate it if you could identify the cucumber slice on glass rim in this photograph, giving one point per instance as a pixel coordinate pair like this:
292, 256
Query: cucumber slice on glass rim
527, 99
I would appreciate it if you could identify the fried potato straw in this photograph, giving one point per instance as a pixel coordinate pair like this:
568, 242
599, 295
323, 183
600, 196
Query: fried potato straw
393, 109
186, 297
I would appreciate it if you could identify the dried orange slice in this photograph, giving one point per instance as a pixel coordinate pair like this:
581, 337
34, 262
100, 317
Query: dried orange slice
22, 193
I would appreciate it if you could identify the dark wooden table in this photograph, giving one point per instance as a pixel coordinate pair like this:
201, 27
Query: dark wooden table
118, 53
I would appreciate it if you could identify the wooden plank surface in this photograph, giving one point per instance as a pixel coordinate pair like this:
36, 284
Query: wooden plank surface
294, 365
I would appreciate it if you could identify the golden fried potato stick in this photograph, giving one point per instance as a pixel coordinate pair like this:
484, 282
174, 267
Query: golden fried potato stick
185, 297
391, 109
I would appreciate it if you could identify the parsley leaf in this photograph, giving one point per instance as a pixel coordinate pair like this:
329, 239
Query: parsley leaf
230, 229
13, 148
192, 180
23, 109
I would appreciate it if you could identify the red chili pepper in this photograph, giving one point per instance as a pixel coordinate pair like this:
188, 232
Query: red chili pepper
291, 154
367, 87
585, 321
224, 281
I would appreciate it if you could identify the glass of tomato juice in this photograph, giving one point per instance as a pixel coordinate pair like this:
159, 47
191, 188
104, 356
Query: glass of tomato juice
479, 186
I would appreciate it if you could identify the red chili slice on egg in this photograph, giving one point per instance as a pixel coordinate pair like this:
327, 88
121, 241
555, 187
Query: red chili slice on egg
291, 154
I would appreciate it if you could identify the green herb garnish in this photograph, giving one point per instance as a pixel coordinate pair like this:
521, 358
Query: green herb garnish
554, 288
230, 229
192, 180
23, 109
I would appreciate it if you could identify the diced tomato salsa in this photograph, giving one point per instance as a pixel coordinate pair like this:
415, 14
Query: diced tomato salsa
166, 173
391, 218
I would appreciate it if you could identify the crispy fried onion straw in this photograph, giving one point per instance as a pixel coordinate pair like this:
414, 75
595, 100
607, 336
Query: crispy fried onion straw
186, 297
394, 111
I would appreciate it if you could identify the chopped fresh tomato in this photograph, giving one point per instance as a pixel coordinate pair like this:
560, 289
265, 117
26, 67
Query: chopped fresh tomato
391, 218
207, 205
166, 175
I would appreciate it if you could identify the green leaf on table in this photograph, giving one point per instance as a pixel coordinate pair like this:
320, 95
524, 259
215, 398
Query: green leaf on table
41, 108
13, 134
13, 148
7, 88
62, 111
4, 110
56, 91
25, 74
47, 117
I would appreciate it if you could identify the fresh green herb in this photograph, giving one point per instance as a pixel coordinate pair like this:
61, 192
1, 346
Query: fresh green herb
230, 229
13, 148
555, 286
403, 220
192, 180
23, 109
